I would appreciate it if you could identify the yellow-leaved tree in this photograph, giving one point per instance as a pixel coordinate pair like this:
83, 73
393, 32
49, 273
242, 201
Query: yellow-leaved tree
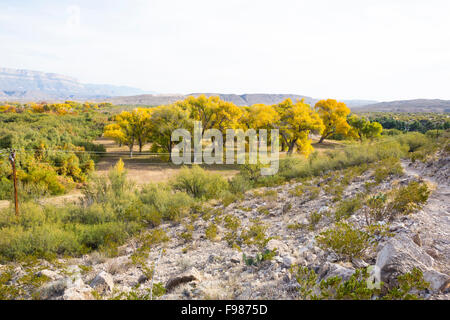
213, 112
261, 116
130, 128
166, 119
297, 121
334, 117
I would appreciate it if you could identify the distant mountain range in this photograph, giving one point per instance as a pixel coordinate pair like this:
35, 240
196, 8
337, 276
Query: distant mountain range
417, 105
239, 100
26, 85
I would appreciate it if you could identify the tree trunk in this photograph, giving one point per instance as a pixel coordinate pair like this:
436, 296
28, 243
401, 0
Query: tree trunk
131, 151
291, 147
321, 139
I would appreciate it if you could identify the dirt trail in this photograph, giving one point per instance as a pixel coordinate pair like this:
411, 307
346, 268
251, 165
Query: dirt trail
432, 223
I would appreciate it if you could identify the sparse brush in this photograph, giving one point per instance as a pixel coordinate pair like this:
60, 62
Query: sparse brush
347, 207
345, 240
410, 198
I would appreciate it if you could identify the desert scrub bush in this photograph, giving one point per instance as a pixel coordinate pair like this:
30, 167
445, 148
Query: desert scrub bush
7, 291
307, 279
386, 168
44, 241
227, 198
290, 167
314, 219
264, 210
187, 234
297, 226
239, 184
269, 195
345, 240
265, 255
413, 140
147, 242
94, 236
357, 287
347, 207
409, 285
271, 181
232, 224
336, 189
199, 183
376, 209
169, 204
313, 193
211, 232
157, 291
111, 189
298, 191
255, 234
410, 198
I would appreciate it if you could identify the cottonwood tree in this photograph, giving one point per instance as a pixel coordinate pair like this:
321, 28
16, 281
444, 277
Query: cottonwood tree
334, 117
297, 121
362, 128
213, 112
166, 119
130, 128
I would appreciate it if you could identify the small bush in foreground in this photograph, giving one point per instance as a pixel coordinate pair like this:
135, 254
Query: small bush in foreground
345, 240
410, 198
359, 286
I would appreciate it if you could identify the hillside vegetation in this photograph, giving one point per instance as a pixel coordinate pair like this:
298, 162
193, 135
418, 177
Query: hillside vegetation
314, 230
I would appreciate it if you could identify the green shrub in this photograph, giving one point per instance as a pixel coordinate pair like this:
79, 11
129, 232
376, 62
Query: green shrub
387, 167
211, 232
171, 205
42, 241
314, 219
239, 184
410, 198
407, 284
376, 208
199, 183
347, 207
255, 234
345, 240
357, 287
265, 255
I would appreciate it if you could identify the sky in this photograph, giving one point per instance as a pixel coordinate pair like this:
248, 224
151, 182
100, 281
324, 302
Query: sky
348, 49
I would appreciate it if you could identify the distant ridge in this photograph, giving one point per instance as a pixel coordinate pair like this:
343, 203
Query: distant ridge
416, 105
27, 85
239, 100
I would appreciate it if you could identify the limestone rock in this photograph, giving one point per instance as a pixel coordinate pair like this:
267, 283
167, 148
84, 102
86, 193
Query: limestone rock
56, 289
399, 256
281, 247
52, 275
78, 293
436, 279
103, 282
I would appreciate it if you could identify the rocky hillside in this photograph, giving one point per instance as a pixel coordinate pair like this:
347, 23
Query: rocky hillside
27, 85
277, 229
417, 105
